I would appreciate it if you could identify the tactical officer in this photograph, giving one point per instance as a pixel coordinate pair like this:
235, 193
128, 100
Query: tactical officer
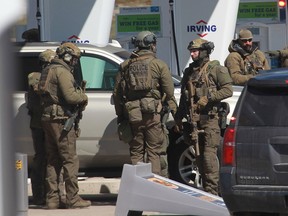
62, 99
38, 170
143, 84
245, 59
204, 84
281, 55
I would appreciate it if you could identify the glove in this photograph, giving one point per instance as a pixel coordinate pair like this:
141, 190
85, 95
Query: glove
202, 102
83, 105
274, 53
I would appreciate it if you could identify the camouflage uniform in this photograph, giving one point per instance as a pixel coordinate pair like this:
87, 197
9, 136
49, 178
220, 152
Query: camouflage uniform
61, 95
38, 168
282, 56
142, 106
244, 64
212, 83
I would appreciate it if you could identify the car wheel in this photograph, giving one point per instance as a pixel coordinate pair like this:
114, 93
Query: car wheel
253, 214
182, 165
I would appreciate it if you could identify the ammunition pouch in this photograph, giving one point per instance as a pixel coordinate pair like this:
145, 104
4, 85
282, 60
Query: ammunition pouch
224, 110
125, 133
54, 111
134, 111
149, 105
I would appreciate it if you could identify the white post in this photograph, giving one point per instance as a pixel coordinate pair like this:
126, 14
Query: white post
10, 13
286, 22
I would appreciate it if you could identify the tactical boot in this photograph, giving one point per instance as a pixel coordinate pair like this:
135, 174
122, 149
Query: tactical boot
80, 203
39, 201
52, 205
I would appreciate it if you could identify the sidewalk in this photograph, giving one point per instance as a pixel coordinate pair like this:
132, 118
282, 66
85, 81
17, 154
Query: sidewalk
101, 191
93, 186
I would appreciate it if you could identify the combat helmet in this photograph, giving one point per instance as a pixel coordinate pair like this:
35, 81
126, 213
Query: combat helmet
47, 55
69, 48
144, 39
201, 44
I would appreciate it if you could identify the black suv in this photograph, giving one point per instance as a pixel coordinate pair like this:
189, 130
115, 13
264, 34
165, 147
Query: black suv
254, 166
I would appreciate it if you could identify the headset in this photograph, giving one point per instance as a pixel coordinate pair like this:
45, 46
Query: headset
65, 52
209, 46
145, 42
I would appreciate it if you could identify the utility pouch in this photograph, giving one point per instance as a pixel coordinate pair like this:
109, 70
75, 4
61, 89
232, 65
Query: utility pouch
125, 133
134, 111
224, 110
53, 113
149, 105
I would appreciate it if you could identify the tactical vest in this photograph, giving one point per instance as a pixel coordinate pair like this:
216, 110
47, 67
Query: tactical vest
204, 83
138, 77
52, 108
33, 99
252, 64
44, 80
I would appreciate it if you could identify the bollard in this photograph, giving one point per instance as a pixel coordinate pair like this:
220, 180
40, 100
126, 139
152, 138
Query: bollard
21, 184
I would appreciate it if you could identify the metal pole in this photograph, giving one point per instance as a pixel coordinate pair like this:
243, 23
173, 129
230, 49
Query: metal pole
38, 17
171, 4
286, 21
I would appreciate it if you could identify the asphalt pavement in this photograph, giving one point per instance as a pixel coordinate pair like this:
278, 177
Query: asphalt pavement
102, 192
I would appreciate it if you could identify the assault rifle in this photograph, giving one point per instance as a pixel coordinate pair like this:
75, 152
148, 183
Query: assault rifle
70, 121
74, 118
165, 110
193, 117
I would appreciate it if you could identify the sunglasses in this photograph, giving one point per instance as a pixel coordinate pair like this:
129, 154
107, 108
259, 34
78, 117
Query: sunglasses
246, 40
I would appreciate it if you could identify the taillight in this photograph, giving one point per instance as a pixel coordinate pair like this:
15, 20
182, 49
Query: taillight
229, 147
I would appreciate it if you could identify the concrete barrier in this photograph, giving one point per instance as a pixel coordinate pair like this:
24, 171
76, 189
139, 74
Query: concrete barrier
141, 190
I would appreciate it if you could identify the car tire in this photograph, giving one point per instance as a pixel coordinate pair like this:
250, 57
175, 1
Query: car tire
253, 214
182, 163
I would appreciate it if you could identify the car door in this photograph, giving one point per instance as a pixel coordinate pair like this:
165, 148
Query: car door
98, 145
262, 136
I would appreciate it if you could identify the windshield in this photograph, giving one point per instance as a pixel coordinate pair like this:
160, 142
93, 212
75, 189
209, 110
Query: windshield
264, 107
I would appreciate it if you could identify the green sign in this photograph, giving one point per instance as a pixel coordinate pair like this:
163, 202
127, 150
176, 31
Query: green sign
258, 10
137, 23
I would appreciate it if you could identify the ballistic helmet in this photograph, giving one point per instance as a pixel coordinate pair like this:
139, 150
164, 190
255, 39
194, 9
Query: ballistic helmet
144, 39
201, 44
47, 55
69, 48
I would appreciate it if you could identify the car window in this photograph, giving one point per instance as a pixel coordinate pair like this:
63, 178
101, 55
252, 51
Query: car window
26, 64
98, 72
264, 107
